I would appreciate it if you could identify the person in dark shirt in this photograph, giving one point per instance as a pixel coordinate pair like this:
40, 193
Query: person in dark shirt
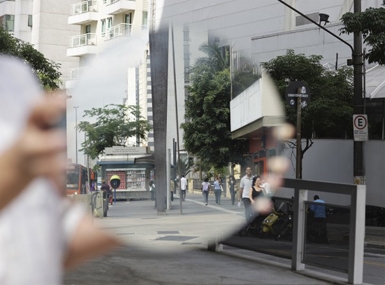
106, 191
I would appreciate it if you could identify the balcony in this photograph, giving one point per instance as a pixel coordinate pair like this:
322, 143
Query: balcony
121, 30
7, 8
83, 12
119, 6
74, 76
82, 45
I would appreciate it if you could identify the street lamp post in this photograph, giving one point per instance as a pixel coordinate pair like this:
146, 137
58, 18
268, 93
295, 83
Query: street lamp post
76, 132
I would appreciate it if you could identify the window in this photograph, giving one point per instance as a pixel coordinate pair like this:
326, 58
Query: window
144, 19
109, 25
103, 27
88, 33
8, 22
29, 20
88, 29
128, 18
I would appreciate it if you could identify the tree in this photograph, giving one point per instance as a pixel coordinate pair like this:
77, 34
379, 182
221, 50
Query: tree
207, 132
46, 70
371, 23
329, 114
114, 125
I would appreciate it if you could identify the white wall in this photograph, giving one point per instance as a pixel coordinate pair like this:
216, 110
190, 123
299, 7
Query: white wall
332, 161
51, 32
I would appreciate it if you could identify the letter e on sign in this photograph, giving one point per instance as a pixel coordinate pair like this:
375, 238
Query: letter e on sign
360, 127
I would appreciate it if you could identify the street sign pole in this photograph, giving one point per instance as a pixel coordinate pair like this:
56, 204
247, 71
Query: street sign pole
358, 146
298, 96
298, 167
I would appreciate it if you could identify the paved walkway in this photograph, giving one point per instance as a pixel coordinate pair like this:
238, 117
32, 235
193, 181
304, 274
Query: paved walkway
172, 249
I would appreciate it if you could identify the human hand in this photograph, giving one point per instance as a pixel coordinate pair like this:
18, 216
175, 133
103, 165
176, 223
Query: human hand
42, 147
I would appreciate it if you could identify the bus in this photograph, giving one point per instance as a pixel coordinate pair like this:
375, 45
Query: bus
77, 179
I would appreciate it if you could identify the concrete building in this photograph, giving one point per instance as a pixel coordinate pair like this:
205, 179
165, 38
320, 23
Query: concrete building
112, 50
43, 23
258, 31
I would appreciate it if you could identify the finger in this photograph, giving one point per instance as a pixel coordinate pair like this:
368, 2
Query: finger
42, 143
48, 112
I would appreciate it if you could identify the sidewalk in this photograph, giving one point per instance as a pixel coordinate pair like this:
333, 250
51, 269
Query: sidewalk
375, 237
172, 249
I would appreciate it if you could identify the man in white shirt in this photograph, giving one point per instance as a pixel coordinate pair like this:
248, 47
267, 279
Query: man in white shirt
183, 187
245, 186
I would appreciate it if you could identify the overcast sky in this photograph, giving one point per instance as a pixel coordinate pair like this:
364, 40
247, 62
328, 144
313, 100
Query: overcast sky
103, 82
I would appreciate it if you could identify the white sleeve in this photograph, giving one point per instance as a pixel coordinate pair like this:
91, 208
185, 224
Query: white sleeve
72, 214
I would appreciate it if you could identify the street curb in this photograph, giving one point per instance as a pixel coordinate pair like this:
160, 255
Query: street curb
327, 278
371, 245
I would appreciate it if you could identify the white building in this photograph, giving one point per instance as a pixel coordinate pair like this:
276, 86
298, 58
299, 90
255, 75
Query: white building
259, 31
112, 50
43, 23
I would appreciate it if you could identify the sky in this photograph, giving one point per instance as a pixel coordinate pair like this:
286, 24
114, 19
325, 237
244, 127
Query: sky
103, 82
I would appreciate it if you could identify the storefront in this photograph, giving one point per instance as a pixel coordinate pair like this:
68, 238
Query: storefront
134, 167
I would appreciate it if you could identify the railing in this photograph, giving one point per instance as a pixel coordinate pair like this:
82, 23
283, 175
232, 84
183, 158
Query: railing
83, 40
94, 196
76, 72
109, 2
356, 232
84, 7
337, 244
118, 31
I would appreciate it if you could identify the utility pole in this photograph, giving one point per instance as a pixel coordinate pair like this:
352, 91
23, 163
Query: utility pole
357, 62
358, 157
76, 132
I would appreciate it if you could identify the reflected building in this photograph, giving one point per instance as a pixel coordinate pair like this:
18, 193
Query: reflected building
260, 31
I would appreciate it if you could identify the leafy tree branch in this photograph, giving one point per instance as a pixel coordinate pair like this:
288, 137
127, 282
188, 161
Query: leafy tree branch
114, 125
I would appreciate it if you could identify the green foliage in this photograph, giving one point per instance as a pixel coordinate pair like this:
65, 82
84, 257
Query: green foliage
46, 70
371, 23
114, 125
207, 128
329, 114
243, 79
185, 166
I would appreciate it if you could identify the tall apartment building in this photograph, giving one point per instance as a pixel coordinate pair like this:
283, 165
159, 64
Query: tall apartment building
145, 94
42, 23
102, 25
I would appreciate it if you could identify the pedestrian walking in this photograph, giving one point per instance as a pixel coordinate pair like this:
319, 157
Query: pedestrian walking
244, 192
217, 191
256, 190
232, 183
205, 190
183, 187
152, 190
